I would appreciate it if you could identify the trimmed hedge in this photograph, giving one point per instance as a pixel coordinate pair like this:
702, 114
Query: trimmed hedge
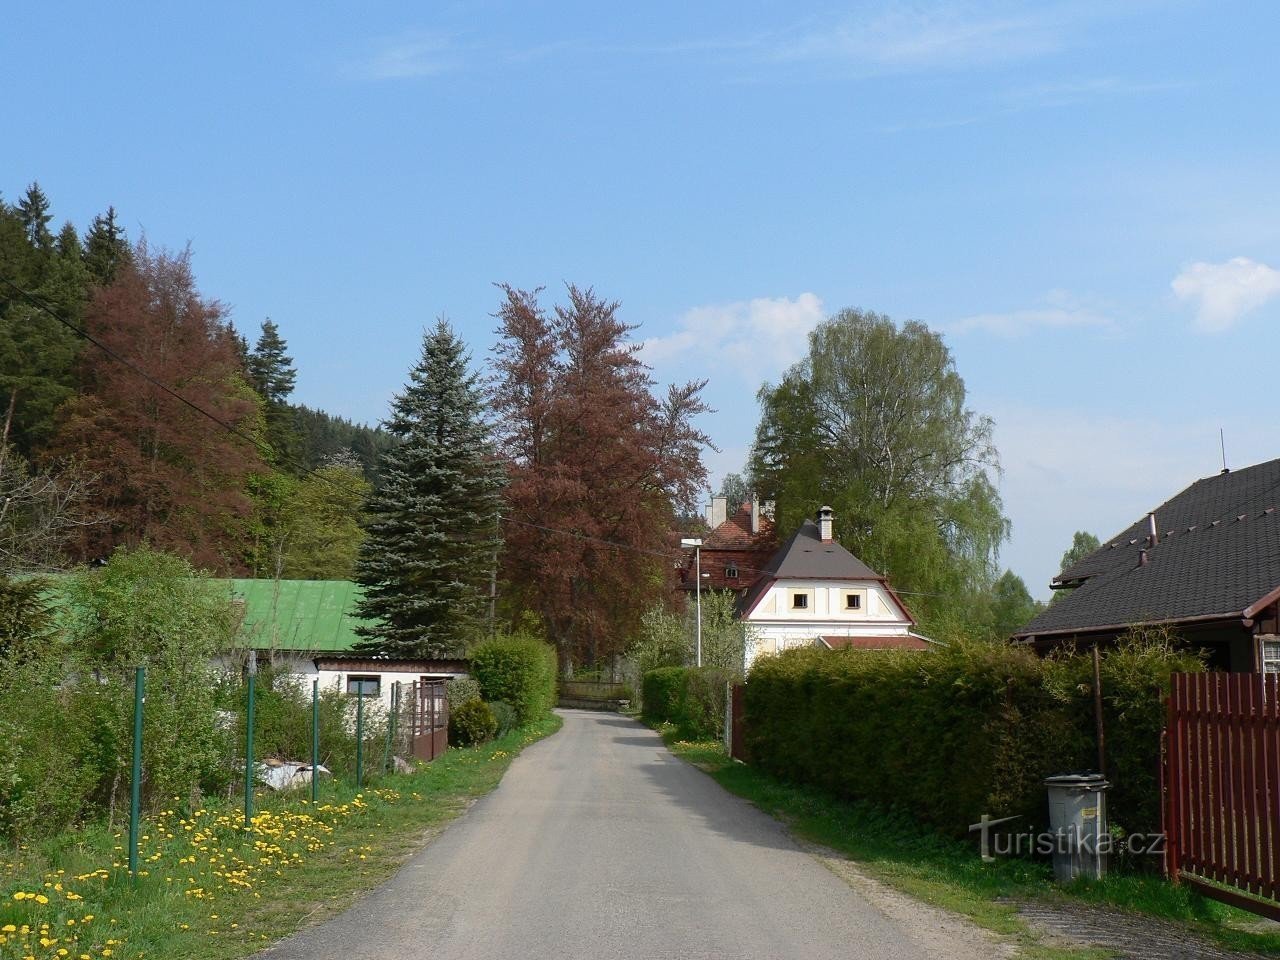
968, 729
691, 698
519, 670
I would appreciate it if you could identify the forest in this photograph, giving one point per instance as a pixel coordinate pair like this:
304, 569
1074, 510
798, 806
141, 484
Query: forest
134, 411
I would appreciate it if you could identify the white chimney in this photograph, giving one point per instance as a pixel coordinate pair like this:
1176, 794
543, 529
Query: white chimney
825, 521
755, 514
719, 511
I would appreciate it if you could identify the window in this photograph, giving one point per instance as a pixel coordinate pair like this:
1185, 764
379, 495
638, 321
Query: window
731, 572
1271, 656
364, 685
799, 601
853, 601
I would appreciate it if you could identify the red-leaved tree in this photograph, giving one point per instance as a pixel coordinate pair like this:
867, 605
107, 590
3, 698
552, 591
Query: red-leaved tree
166, 474
598, 464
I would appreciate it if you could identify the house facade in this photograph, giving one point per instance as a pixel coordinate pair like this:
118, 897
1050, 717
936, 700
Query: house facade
306, 629
814, 592
1205, 563
735, 550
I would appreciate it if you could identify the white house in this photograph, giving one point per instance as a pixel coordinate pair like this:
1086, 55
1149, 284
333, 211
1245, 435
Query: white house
815, 592
307, 630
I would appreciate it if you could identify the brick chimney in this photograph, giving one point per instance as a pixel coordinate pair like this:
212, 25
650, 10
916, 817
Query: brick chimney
825, 521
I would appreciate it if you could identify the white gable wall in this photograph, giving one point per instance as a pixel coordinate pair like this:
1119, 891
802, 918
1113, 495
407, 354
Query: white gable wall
776, 623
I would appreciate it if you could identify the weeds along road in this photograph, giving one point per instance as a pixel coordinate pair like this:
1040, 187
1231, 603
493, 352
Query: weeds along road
600, 844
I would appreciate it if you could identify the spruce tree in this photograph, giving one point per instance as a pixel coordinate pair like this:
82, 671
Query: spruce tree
431, 529
270, 367
106, 248
33, 209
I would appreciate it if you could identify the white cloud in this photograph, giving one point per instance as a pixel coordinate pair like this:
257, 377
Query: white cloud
1060, 311
1224, 292
758, 339
407, 56
918, 38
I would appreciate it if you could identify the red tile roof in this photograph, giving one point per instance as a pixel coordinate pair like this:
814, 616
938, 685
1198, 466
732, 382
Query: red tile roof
908, 642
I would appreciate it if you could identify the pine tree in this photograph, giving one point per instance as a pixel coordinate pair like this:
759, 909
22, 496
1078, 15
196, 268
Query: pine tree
432, 532
106, 248
270, 367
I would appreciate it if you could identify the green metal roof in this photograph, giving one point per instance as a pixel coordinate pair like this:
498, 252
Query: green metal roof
314, 615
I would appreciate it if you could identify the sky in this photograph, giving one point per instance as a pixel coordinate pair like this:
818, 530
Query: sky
1082, 197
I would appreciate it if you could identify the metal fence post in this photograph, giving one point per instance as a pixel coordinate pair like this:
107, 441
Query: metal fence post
248, 744
315, 741
360, 738
135, 787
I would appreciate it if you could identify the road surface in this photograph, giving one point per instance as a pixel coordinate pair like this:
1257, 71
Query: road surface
600, 845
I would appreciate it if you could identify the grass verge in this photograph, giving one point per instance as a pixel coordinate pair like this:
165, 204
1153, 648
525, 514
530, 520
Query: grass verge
949, 874
208, 889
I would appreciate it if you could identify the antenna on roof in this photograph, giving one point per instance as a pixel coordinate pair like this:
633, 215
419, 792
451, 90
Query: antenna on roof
1222, 442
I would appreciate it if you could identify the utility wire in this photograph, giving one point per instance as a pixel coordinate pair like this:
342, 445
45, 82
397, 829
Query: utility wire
41, 304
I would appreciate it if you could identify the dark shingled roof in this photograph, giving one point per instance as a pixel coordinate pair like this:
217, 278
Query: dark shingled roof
1218, 555
806, 557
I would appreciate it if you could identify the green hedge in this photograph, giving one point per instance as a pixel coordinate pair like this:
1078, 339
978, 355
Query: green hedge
691, 698
971, 728
519, 670
472, 723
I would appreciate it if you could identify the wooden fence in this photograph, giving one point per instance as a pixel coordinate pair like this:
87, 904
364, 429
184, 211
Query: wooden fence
1222, 787
428, 719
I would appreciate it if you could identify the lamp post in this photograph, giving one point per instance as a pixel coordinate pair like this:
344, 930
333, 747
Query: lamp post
697, 585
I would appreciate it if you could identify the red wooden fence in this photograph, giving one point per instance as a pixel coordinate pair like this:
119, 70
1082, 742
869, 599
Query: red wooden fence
1222, 787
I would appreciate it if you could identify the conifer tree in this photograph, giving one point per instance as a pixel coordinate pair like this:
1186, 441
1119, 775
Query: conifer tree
33, 209
431, 530
270, 367
106, 248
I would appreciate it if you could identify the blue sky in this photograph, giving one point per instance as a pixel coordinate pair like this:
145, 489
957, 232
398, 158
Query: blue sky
1082, 195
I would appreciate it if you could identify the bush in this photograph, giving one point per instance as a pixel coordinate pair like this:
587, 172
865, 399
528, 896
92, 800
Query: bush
460, 690
505, 715
690, 698
971, 728
517, 669
471, 723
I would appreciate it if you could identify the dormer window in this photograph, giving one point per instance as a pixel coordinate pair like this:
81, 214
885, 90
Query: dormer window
853, 602
731, 572
799, 601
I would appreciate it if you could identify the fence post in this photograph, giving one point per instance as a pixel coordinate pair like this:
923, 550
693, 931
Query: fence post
360, 737
395, 717
315, 741
248, 744
135, 787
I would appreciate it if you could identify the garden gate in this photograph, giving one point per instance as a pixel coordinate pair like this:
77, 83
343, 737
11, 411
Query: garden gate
428, 719
1222, 787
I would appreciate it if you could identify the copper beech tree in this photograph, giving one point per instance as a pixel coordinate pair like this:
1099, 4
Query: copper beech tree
166, 474
598, 467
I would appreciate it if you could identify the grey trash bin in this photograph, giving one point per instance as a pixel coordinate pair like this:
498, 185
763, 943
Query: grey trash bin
1078, 822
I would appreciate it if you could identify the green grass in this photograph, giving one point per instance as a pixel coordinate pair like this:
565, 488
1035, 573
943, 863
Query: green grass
210, 890
950, 874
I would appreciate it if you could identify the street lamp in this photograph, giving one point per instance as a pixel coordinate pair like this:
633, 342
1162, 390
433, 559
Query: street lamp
697, 585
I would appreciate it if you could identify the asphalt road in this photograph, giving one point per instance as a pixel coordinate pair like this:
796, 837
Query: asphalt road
600, 844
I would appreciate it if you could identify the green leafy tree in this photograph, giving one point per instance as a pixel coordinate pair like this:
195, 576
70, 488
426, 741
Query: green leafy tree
874, 422
1083, 543
736, 490
1011, 604
25, 620
432, 526
322, 522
